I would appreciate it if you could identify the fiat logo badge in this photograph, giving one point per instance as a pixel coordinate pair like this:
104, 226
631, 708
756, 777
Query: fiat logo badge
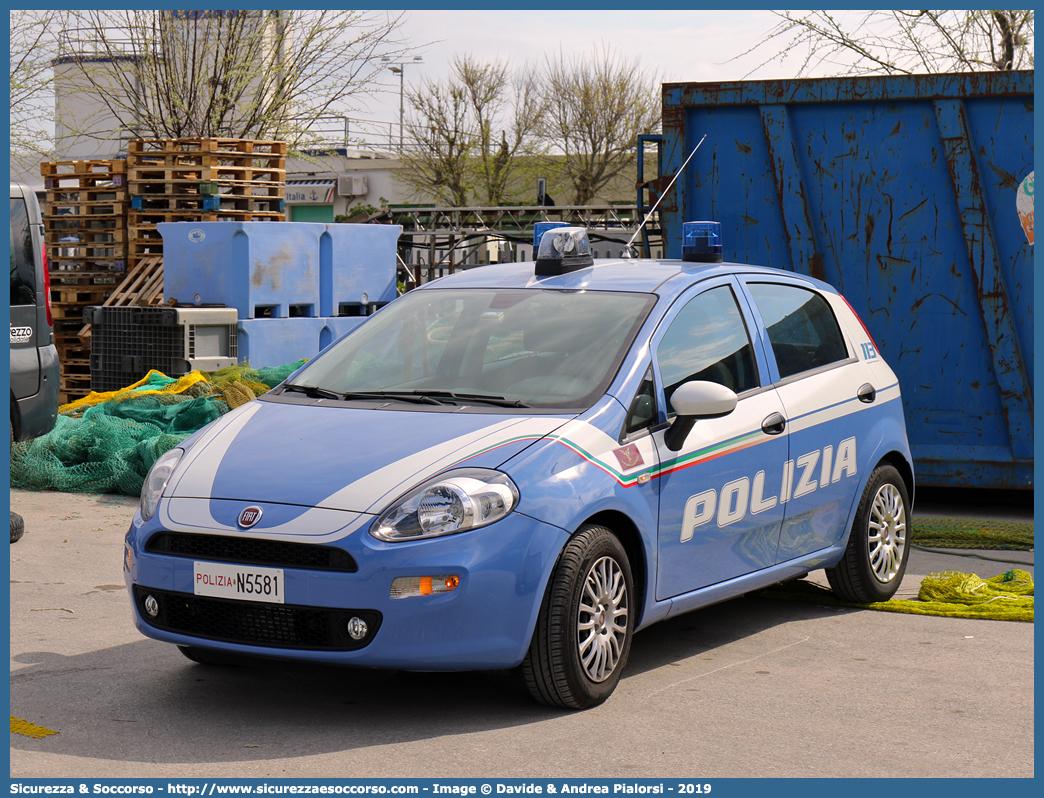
249, 517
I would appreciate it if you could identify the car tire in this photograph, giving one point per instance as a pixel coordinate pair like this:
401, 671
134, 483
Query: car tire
586, 622
879, 545
17, 527
205, 656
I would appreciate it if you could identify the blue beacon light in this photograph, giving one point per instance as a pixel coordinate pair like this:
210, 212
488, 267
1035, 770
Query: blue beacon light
542, 227
701, 242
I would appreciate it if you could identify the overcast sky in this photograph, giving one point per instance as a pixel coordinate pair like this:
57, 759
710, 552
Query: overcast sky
680, 45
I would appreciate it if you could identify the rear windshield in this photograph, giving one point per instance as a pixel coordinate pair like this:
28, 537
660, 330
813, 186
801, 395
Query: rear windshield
541, 348
23, 264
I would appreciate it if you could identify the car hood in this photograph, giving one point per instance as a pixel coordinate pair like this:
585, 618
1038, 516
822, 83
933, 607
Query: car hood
342, 458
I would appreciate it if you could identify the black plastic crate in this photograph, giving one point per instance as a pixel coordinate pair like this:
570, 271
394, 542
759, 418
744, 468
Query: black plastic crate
128, 342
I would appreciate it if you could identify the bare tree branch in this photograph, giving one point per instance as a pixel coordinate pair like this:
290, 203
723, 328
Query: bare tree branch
33, 46
240, 74
596, 108
467, 135
901, 42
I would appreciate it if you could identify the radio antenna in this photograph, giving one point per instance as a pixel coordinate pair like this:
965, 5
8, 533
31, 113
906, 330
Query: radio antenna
627, 251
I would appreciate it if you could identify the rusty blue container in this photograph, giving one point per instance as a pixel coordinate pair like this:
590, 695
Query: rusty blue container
904, 192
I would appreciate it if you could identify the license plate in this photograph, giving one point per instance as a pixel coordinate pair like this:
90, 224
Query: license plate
246, 583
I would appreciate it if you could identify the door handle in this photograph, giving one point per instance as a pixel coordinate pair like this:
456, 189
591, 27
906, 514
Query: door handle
774, 424
867, 393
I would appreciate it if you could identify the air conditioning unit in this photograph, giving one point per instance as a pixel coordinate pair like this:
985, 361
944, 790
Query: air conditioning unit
351, 186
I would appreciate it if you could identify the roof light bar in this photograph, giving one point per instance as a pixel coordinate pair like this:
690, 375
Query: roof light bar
563, 250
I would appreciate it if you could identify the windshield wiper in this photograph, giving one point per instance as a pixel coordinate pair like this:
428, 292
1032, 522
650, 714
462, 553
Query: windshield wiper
499, 401
415, 397
401, 396
325, 393
313, 391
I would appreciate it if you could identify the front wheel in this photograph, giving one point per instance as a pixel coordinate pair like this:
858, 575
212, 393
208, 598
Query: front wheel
879, 544
583, 634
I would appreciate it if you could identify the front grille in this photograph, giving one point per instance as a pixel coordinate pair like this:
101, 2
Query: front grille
256, 623
252, 551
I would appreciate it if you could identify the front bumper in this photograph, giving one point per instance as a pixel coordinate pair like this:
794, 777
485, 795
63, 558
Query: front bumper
486, 622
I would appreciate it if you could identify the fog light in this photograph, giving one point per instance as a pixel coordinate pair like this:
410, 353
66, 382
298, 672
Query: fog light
151, 606
410, 586
357, 628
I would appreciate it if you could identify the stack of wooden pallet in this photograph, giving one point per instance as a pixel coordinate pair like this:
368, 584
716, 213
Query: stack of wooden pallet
85, 231
201, 180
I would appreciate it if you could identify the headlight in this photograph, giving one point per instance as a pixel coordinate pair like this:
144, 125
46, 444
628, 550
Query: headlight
156, 481
465, 499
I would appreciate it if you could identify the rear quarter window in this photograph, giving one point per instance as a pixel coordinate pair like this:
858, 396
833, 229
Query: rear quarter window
23, 262
801, 327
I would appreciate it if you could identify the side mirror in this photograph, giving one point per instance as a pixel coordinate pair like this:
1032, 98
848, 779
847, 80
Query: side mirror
695, 400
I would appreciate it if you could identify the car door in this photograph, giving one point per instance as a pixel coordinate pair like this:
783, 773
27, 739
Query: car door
720, 510
823, 388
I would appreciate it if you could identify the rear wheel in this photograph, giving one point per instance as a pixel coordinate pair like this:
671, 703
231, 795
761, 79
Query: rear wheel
879, 546
583, 634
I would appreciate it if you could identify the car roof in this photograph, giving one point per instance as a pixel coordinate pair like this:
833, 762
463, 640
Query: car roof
663, 277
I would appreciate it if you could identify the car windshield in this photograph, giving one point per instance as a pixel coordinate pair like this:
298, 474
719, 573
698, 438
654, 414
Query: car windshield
511, 347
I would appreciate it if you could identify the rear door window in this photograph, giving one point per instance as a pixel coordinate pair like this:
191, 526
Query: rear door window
801, 327
23, 263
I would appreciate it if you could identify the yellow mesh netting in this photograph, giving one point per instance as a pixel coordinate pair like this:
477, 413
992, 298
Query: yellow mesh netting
236, 394
972, 533
1006, 597
152, 383
24, 727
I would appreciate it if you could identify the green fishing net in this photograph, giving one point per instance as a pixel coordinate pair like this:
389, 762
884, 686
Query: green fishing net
106, 443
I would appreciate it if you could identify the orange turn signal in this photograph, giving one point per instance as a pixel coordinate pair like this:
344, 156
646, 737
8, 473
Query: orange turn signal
410, 586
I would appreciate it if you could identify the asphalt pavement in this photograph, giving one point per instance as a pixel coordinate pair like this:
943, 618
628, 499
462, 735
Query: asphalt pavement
748, 688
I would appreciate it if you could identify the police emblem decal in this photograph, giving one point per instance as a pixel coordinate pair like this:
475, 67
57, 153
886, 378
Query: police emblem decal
629, 456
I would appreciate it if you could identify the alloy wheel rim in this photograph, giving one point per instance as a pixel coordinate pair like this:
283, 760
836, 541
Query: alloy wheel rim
602, 619
887, 533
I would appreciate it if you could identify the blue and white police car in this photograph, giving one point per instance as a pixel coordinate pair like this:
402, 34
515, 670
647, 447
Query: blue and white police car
525, 464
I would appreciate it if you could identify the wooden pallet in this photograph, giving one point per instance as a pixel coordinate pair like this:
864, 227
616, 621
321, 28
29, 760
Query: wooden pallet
88, 279
141, 219
142, 286
71, 223
77, 196
68, 396
141, 147
202, 188
69, 175
82, 295
94, 167
96, 236
205, 173
87, 210
156, 203
69, 250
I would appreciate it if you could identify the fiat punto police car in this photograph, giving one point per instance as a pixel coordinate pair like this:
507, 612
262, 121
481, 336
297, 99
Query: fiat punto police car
524, 464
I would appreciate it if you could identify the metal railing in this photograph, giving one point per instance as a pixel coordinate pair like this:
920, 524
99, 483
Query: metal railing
439, 241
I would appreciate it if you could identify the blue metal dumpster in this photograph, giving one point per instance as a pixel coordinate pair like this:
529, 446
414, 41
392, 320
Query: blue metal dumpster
901, 191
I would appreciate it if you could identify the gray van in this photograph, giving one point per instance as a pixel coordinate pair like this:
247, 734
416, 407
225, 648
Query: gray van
34, 359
